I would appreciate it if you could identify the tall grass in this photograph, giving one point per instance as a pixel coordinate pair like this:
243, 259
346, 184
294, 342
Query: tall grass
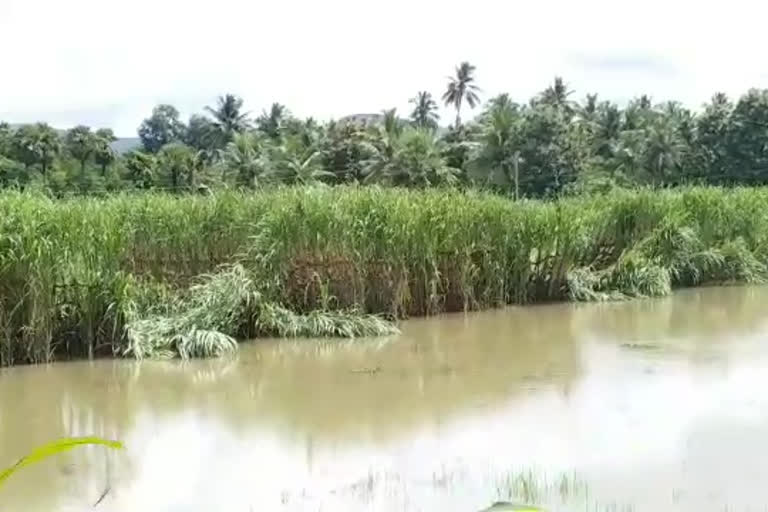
75, 273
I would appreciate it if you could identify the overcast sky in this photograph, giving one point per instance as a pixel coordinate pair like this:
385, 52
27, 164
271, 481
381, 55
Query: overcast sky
106, 63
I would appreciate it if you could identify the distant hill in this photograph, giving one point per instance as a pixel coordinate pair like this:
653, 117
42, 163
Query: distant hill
126, 144
363, 118
373, 119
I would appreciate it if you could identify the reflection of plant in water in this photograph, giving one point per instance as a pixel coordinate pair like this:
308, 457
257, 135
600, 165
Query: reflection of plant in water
505, 506
54, 448
534, 487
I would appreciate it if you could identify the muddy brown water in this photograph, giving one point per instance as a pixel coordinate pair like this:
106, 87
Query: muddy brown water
645, 405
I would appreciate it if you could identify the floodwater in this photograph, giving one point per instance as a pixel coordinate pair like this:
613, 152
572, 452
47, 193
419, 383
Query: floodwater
644, 406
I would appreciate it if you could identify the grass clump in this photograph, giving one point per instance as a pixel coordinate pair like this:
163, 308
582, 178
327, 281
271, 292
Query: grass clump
200, 323
279, 321
205, 320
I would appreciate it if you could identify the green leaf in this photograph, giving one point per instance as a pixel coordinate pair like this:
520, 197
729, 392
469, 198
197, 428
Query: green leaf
54, 448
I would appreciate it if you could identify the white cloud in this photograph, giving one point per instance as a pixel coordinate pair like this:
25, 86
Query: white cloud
107, 63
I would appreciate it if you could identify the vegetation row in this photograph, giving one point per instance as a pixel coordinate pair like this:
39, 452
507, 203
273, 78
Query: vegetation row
162, 274
551, 145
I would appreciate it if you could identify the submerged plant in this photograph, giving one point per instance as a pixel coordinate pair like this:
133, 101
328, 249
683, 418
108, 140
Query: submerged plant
205, 320
202, 323
277, 320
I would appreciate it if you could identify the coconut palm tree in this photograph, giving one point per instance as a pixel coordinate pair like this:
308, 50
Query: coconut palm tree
497, 161
627, 156
243, 156
589, 108
177, 160
381, 145
409, 157
607, 129
502, 101
419, 161
462, 88
296, 166
424, 113
557, 95
228, 117
391, 124
665, 150
271, 122
644, 102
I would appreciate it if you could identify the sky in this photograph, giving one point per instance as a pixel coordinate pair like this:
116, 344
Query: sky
106, 63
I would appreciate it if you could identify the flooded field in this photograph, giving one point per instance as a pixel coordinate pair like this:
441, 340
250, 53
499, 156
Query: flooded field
645, 406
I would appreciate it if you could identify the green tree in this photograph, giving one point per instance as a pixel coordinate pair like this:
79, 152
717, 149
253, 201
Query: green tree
202, 134
714, 127
424, 114
103, 154
459, 145
382, 147
80, 142
409, 157
746, 139
161, 128
497, 160
228, 117
589, 109
628, 157
306, 131
346, 149
23, 145
48, 145
271, 122
11, 171
607, 129
296, 166
391, 123
6, 136
37, 144
557, 95
552, 149
176, 161
243, 157
638, 113
198, 164
462, 88
420, 162
502, 101
142, 169
665, 151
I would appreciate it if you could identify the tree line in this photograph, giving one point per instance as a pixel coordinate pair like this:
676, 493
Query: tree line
549, 146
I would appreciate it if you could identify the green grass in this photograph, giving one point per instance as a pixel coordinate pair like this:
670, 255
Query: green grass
122, 275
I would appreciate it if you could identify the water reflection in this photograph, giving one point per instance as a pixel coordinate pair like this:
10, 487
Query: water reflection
617, 406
